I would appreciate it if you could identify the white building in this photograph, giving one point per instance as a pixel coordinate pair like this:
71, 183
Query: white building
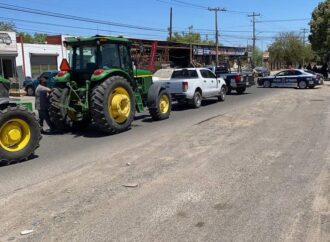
41, 57
8, 54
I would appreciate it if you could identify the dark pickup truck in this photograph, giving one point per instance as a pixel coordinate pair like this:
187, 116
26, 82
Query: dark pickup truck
31, 85
237, 81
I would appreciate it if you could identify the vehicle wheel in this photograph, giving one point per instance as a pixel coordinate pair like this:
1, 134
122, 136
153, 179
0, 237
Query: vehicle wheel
267, 84
20, 134
196, 102
30, 91
302, 85
113, 105
163, 109
63, 119
240, 90
222, 95
311, 87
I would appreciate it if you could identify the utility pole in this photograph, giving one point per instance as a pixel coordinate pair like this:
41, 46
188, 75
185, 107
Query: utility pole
216, 10
254, 15
304, 43
171, 25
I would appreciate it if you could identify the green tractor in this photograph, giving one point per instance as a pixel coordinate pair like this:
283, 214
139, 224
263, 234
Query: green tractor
19, 128
102, 86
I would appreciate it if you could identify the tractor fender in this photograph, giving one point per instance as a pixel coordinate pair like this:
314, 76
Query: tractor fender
108, 73
153, 94
4, 101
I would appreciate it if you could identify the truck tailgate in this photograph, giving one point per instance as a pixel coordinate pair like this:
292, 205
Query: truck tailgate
174, 85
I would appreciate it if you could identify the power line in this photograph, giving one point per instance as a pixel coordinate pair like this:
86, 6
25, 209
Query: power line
76, 18
283, 20
76, 27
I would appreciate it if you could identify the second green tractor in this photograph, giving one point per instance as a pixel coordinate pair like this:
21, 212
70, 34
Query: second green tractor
102, 86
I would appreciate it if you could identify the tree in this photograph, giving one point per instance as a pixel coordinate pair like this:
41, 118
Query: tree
288, 49
7, 26
190, 37
257, 57
320, 30
39, 38
27, 38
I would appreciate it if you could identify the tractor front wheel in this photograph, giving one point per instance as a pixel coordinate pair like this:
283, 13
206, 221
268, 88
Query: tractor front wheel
20, 134
113, 105
162, 110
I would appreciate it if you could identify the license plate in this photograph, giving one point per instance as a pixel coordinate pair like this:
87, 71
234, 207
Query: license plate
311, 82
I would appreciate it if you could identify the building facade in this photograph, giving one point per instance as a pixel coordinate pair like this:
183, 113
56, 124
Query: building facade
8, 54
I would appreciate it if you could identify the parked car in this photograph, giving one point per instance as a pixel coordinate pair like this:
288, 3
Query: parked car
30, 85
319, 76
192, 85
237, 81
290, 78
261, 71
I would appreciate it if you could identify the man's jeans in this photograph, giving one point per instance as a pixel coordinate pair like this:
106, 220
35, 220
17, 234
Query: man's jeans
44, 116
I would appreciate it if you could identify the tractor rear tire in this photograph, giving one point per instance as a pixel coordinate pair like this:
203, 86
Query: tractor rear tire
20, 134
113, 105
59, 115
163, 106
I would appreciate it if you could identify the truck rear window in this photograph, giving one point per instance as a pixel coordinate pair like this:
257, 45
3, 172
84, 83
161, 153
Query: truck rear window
185, 74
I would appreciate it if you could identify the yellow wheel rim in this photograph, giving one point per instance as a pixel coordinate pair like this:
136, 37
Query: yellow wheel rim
164, 104
15, 135
119, 105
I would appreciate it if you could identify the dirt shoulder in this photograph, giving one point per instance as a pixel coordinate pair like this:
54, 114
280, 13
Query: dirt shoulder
252, 174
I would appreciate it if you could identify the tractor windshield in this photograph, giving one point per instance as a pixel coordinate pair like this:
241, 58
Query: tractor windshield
106, 56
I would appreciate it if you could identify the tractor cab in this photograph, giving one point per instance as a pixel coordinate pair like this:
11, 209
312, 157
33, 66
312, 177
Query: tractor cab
96, 54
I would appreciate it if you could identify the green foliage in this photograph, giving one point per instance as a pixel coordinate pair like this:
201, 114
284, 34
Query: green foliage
36, 38
257, 57
190, 37
320, 30
39, 38
288, 49
7, 26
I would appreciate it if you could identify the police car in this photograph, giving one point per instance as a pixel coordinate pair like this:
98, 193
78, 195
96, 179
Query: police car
290, 78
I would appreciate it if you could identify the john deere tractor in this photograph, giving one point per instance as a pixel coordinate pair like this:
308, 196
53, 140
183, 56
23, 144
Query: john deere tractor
19, 128
102, 86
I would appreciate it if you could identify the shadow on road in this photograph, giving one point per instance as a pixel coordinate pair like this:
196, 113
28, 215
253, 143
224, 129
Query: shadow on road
32, 157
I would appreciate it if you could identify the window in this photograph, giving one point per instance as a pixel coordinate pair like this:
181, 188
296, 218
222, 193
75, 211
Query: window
203, 73
125, 59
283, 73
185, 74
211, 74
110, 56
207, 74
85, 58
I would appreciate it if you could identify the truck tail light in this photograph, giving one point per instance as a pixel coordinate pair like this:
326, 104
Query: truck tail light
238, 78
184, 86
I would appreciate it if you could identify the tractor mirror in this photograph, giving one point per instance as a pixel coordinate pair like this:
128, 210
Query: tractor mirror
65, 65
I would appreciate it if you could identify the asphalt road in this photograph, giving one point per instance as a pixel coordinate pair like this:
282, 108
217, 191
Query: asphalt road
60, 154
255, 168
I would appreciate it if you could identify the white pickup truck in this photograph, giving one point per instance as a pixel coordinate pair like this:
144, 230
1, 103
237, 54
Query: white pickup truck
192, 85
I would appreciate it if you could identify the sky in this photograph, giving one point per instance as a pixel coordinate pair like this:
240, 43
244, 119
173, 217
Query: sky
235, 27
